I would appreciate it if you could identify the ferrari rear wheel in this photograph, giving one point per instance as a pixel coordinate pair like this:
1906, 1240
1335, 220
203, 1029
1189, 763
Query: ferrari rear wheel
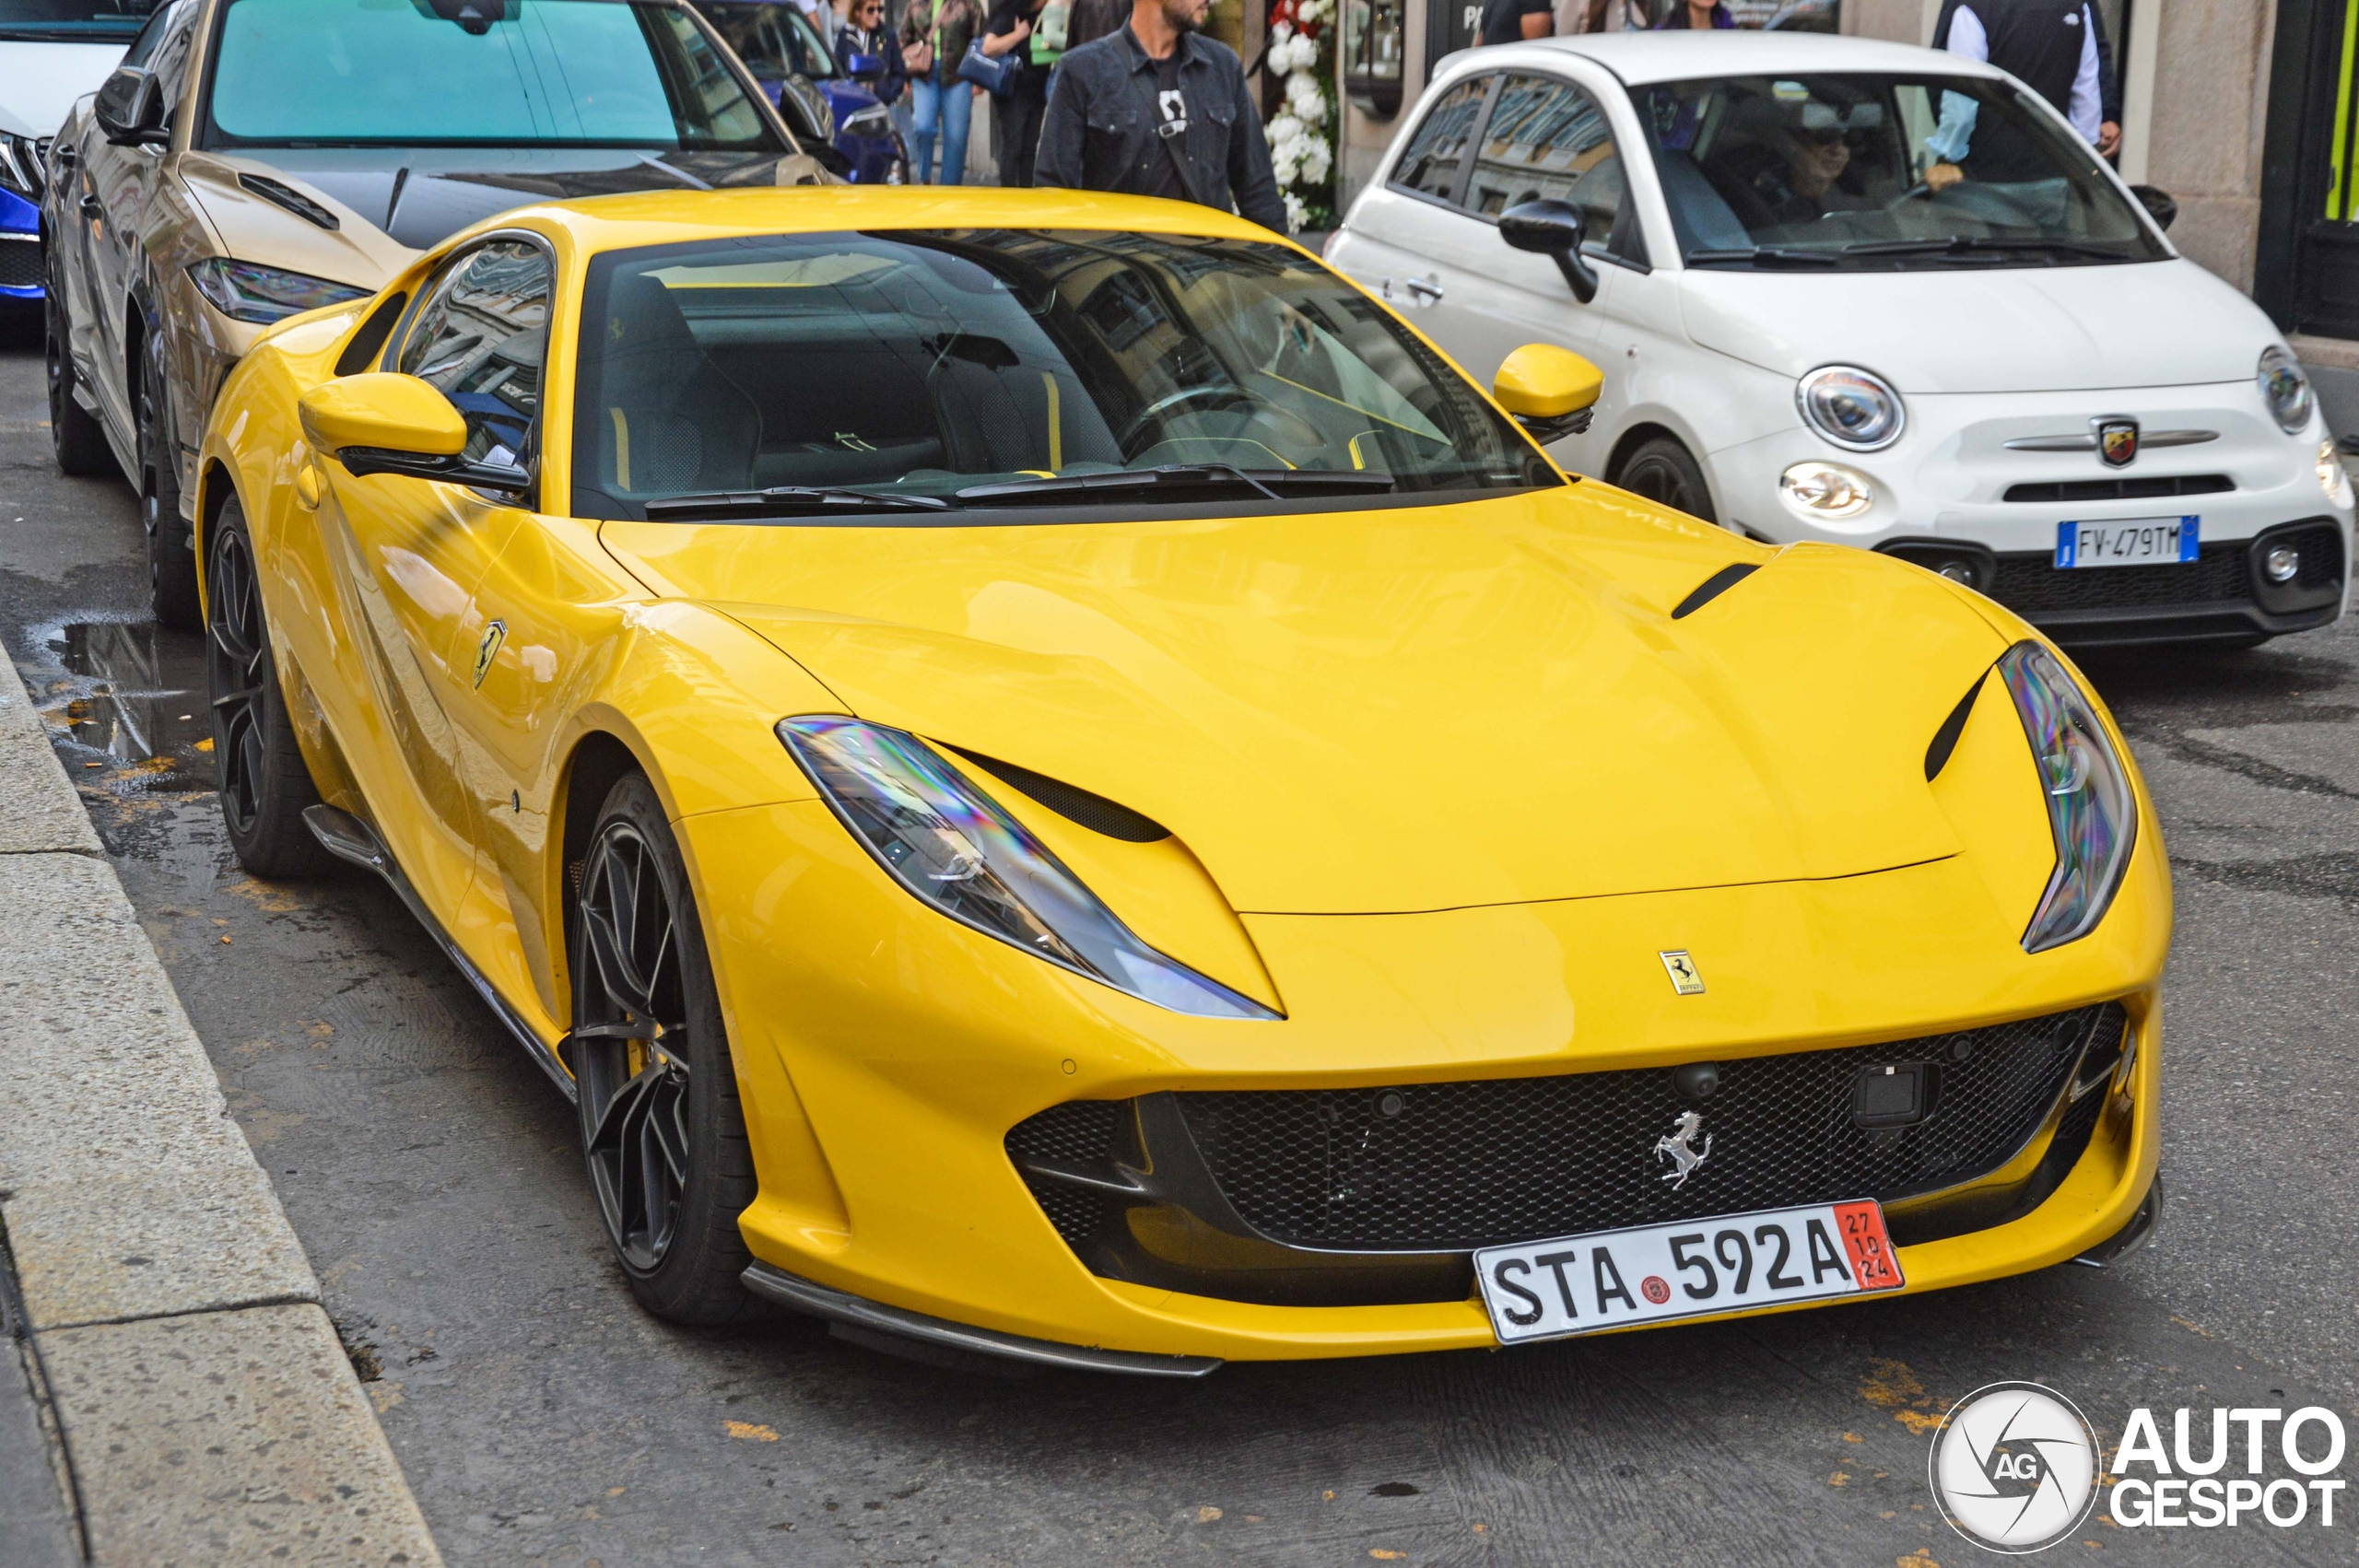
264, 783
1662, 470
661, 1124
171, 564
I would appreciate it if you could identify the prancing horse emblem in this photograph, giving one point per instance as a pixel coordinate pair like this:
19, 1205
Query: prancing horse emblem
1679, 1146
493, 636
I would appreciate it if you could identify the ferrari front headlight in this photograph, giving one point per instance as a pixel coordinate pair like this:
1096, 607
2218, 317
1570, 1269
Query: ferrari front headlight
244, 292
2091, 810
956, 848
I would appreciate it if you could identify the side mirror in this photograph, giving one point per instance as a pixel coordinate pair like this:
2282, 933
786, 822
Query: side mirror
1554, 229
2159, 203
130, 108
866, 68
1552, 392
383, 423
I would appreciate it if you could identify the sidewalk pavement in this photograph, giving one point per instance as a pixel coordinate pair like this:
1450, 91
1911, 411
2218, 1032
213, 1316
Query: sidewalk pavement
201, 1409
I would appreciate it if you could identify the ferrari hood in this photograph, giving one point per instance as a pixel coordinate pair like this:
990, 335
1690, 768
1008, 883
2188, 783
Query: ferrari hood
1392, 710
2065, 329
391, 202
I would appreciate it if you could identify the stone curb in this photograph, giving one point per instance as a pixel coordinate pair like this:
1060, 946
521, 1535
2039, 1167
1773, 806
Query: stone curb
208, 1411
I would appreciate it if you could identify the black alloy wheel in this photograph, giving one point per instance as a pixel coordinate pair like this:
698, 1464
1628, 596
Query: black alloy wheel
76, 438
171, 562
1661, 470
264, 783
661, 1125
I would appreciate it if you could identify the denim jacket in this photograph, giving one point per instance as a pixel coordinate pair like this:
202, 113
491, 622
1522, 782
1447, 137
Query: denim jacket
1100, 134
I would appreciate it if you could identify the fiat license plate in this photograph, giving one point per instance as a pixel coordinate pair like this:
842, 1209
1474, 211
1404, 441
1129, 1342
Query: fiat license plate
1548, 1290
2126, 542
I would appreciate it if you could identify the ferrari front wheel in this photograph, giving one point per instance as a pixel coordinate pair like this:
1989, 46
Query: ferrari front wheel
661, 1125
264, 783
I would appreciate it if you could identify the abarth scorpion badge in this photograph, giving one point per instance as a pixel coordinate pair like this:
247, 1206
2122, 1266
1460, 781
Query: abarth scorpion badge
2116, 440
1678, 1146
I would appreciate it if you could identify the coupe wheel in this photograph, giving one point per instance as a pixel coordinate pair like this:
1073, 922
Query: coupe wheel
75, 437
264, 782
171, 563
1661, 470
661, 1124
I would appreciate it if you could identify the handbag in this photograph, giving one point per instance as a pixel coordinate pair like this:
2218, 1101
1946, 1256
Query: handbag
995, 74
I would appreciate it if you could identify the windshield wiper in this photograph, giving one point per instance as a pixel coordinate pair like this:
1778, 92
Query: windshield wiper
788, 500
1176, 475
1766, 256
1980, 245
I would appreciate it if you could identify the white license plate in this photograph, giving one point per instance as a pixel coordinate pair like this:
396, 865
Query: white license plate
2128, 541
1547, 1290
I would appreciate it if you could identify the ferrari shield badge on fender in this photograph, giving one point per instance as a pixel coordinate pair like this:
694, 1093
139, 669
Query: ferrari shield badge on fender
493, 636
1684, 977
2117, 442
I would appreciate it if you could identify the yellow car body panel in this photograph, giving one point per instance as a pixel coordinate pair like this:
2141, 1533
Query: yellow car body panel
1443, 783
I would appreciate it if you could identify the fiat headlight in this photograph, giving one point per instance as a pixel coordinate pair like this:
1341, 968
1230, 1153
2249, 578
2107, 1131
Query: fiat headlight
1825, 492
954, 846
2332, 477
2284, 388
2091, 809
1854, 408
244, 292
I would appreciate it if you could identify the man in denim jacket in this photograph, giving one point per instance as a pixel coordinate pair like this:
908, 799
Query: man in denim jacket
1157, 109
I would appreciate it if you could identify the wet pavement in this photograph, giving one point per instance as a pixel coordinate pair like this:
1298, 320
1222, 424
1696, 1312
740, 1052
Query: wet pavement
433, 1176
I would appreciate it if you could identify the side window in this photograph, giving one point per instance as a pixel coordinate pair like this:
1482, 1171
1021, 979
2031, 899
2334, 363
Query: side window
1437, 153
480, 337
170, 61
1547, 138
143, 48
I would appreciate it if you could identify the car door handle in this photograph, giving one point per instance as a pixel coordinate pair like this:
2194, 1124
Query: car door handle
93, 208
63, 156
1426, 289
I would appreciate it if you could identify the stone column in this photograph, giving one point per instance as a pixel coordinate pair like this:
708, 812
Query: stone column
2206, 120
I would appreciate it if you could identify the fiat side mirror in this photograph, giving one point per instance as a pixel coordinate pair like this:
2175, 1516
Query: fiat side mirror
1554, 229
383, 423
130, 108
1552, 392
2159, 203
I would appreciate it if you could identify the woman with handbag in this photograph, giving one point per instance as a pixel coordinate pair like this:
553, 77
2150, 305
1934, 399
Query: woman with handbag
943, 98
1021, 101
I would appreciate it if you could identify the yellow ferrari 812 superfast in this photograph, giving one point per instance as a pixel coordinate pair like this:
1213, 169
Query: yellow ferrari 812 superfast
1055, 782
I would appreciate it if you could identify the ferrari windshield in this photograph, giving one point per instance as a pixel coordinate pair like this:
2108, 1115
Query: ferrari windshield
477, 73
919, 371
73, 21
1864, 170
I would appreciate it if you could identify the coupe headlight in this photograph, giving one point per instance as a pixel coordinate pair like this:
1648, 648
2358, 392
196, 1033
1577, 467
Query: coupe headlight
2332, 477
23, 165
1825, 492
244, 292
2284, 388
954, 846
1854, 408
2091, 809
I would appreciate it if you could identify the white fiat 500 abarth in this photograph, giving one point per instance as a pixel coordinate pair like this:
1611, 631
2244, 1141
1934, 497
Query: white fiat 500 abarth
1858, 292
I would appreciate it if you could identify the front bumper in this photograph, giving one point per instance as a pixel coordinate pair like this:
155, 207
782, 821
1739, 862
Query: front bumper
20, 276
885, 1053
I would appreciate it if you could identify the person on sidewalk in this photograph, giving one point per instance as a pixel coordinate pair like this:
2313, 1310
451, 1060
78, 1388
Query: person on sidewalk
1689, 14
1017, 112
864, 33
942, 102
1157, 109
1512, 21
2050, 45
2108, 137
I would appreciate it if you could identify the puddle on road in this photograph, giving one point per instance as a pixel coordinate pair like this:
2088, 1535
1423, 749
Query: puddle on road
130, 698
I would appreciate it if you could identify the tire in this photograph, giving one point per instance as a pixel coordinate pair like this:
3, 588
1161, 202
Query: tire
171, 558
662, 1130
264, 783
76, 438
1661, 470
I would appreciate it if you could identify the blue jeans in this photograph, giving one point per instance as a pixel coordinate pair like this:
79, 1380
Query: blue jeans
943, 112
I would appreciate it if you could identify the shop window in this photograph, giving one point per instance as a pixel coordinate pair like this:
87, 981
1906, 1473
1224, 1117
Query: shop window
1372, 47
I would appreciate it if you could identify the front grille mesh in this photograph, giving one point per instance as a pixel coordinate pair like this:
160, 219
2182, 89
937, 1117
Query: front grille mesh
20, 263
1471, 1165
2030, 583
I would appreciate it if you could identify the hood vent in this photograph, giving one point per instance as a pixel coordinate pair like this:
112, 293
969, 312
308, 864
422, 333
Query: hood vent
1095, 812
280, 194
1712, 587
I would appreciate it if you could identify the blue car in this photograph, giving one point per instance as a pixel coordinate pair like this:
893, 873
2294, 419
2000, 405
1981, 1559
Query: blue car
787, 56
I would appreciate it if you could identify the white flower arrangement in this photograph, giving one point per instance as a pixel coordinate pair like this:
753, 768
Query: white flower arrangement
1302, 134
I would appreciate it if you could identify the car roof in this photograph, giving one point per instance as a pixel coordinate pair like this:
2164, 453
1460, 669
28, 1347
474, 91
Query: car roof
663, 217
1673, 56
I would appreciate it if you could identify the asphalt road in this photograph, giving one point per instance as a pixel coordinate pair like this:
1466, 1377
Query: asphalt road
433, 1176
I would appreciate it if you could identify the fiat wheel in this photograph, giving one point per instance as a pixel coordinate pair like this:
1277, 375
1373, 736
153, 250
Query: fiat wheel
264, 783
1661, 470
661, 1125
171, 563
